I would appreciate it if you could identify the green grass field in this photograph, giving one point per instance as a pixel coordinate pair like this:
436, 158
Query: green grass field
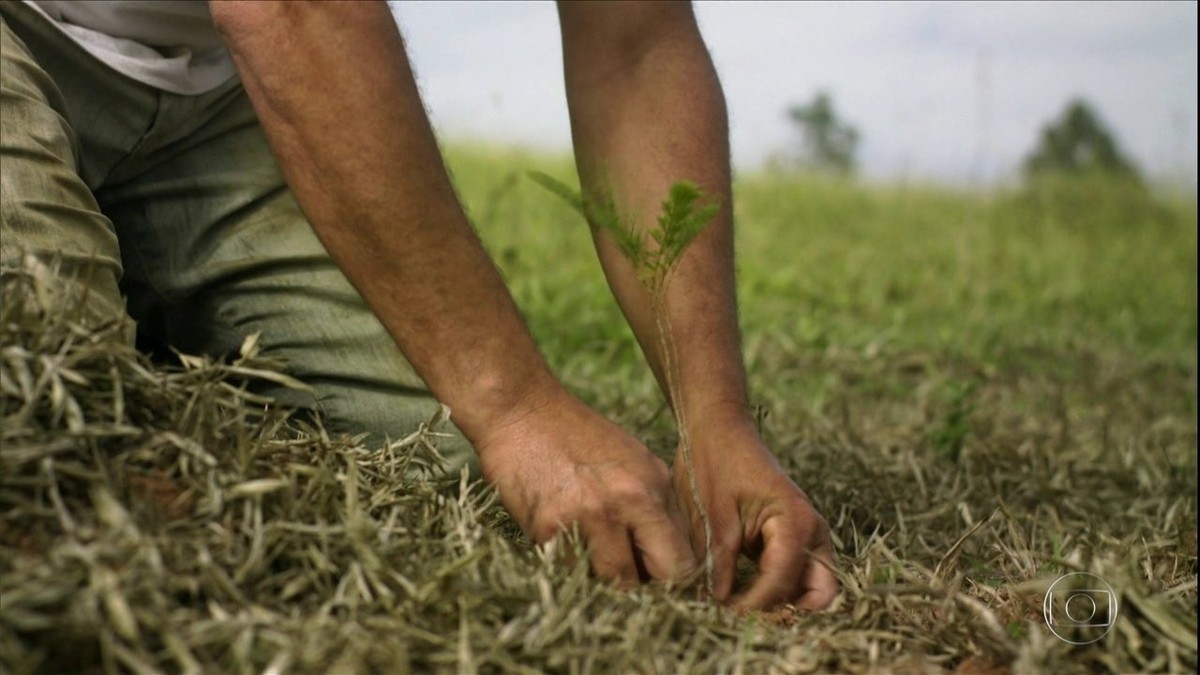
981, 392
926, 360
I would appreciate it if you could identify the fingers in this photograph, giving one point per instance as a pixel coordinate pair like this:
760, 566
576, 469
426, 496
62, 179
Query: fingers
655, 550
779, 570
611, 552
726, 536
665, 550
725, 556
642, 532
820, 583
796, 566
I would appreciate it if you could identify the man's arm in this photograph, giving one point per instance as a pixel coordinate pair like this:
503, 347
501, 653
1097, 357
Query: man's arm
647, 111
336, 96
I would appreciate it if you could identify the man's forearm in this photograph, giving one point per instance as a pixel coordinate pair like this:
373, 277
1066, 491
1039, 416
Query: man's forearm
642, 118
647, 111
333, 88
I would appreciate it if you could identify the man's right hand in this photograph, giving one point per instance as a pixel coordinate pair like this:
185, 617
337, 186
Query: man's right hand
562, 465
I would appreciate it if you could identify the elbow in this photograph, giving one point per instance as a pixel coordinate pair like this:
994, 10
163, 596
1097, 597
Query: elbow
246, 27
234, 18
240, 22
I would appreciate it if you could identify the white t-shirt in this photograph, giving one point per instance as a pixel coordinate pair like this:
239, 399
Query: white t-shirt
172, 45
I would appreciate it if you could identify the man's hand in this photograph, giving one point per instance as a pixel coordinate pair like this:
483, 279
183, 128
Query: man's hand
753, 507
563, 465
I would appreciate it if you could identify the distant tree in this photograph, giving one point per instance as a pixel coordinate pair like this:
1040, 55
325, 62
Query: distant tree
826, 144
1078, 143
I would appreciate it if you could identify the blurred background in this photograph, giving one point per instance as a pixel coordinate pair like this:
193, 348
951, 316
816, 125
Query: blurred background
965, 94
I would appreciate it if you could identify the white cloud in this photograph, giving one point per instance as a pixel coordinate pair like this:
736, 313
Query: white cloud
489, 70
934, 87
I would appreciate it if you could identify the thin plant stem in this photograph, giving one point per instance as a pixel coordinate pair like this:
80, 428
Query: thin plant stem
662, 323
676, 229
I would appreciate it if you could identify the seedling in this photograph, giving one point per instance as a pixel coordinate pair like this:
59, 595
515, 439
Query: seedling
683, 217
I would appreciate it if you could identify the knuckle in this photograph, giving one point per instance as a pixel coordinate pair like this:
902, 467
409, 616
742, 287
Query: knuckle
590, 508
544, 529
730, 541
804, 516
799, 502
661, 470
631, 490
550, 522
620, 494
822, 525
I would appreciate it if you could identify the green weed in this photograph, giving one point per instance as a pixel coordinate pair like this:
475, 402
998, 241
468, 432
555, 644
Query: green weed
950, 434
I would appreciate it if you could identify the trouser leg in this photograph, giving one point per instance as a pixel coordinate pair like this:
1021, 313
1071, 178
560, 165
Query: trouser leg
48, 215
218, 249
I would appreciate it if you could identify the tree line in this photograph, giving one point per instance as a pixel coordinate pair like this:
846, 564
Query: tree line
1076, 142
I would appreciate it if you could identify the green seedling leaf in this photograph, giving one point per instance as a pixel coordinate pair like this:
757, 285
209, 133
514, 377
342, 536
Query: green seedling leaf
601, 215
559, 188
681, 220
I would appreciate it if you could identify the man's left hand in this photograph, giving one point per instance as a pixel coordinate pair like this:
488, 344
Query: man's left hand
754, 507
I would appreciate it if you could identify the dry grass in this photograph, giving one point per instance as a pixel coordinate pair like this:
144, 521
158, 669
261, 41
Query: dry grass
166, 519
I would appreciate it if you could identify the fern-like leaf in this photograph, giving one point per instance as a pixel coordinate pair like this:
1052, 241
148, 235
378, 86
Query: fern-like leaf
559, 188
678, 224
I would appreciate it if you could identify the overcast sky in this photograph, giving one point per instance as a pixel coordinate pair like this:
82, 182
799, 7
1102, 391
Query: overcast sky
948, 91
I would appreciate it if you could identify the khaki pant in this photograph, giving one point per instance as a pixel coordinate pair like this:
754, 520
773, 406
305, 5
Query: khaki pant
176, 204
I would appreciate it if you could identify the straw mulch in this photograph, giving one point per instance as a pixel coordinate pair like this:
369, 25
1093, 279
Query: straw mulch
166, 519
